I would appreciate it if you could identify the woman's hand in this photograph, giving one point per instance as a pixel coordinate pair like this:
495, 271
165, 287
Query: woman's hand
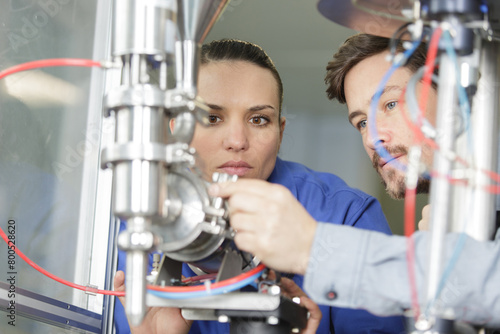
290, 289
158, 320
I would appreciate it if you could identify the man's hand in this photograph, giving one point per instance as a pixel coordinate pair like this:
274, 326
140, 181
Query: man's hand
269, 222
158, 320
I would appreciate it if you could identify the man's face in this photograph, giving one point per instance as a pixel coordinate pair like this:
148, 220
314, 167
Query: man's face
394, 132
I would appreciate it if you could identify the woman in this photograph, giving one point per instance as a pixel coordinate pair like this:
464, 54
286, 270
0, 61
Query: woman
243, 89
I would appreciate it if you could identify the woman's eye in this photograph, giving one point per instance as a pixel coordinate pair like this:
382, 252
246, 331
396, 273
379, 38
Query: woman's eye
212, 119
259, 120
391, 105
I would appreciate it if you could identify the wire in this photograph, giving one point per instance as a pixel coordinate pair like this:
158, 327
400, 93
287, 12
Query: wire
462, 94
412, 172
429, 65
397, 36
379, 147
411, 182
410, 254
209, 289
54, 277
199, 278
49, 63
465, 109
221, 284
424, 132
183, 291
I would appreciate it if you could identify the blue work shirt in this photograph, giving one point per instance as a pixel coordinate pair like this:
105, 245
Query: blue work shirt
327, 198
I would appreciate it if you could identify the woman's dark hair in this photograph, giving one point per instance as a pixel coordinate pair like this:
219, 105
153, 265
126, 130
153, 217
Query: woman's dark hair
234, 50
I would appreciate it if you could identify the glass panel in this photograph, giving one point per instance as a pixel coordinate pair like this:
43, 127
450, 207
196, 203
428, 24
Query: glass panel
49, 149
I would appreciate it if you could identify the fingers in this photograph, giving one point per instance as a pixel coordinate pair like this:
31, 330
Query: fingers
271, 275
226, 189
290, 289
270, 223
119, 281
119, 284
423, 224
314, 315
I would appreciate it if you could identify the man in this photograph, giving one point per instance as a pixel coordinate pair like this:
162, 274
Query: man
352, 77
364, 56
370, 271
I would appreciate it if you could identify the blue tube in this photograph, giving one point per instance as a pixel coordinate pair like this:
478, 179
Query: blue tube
373, 109
204, 293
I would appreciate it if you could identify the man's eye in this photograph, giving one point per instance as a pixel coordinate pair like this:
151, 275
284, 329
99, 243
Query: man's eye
391, 105
361, 125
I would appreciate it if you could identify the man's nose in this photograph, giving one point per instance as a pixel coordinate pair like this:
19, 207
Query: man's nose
381, 136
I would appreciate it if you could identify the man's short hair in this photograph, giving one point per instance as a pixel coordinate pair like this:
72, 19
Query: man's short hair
356, 49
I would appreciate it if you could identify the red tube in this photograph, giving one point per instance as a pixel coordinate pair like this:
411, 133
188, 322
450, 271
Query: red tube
49, 63
220, 284
54, 277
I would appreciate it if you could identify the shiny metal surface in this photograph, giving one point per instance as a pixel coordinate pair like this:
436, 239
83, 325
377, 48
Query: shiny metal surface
140, 26
195, 18
182, 237
232, 301
136, 188
486, 124
440, 193
376, 17
165, 206
187, 64
184, 127
478, 215
384, 17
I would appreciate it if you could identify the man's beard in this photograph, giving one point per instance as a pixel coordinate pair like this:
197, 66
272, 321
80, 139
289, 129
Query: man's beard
398, 180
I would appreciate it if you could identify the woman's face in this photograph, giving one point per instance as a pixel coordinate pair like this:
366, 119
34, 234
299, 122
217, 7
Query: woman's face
245, 129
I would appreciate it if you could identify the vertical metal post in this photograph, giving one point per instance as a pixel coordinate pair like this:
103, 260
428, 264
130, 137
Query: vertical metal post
139, 40
440, 188
485, 142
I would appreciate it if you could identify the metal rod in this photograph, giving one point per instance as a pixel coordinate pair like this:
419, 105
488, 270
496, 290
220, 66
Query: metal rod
440, 187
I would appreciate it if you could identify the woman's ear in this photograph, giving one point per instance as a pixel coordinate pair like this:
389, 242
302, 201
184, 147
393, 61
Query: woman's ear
282, 127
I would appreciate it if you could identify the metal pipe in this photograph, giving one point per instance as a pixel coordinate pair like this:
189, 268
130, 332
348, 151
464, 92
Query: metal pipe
440, 187
485, 129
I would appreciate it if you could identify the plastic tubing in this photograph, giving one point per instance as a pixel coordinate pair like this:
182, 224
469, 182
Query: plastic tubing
465, 108
379, 147
54, 277
410, 198
412, 103
228, 282
49, 63
216, 288
208, 289
232, 283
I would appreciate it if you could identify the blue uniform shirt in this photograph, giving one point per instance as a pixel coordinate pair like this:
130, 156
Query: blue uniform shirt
327, 198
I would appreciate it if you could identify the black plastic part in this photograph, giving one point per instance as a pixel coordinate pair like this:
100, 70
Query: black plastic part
290, 315
437, 8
